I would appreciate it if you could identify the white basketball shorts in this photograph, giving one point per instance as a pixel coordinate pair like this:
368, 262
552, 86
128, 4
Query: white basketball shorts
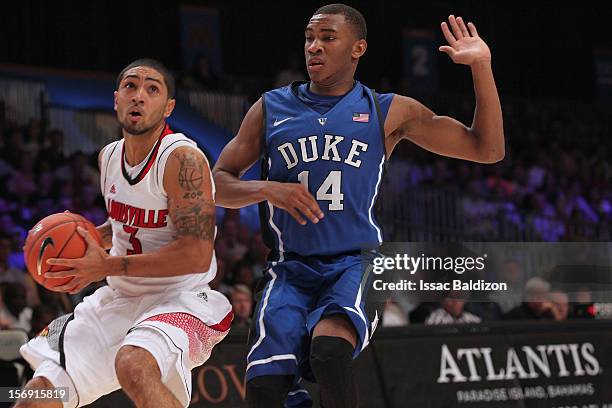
178, 328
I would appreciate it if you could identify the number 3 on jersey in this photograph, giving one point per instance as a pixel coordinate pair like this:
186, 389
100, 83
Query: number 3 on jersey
332, 182
136, 245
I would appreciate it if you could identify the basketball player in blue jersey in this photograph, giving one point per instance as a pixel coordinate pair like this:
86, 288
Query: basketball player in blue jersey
324, 145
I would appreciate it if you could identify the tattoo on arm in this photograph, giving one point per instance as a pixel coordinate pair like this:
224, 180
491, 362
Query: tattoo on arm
196, 220
196, 216
191, 173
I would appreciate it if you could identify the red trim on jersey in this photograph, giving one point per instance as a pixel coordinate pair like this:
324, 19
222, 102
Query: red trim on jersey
224, 324
167, 131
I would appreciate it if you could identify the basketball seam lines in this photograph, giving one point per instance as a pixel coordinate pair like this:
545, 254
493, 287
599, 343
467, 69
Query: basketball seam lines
66, 243
56, 225
61, 250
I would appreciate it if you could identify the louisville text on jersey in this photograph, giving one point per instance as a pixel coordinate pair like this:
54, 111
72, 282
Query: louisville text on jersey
137, 217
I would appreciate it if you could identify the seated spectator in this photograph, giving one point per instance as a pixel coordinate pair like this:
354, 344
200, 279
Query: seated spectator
10, 274
243, 273
52, 148
582, 304
393, 315
23, 182
486, 310
241, 298
560, 300
258, 254
234, 251
452, 311
15, 313
511, 274
536, 302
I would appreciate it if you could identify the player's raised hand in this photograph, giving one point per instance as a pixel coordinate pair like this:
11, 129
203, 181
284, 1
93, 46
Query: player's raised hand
85, 270
464, 44
296, 200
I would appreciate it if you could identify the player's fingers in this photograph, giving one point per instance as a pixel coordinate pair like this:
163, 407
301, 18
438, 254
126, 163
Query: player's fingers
312, 204
65, 287
60, 274
71, 288
450, 38
87, 236
304, 209
76, 289
296, 215
472, 28
462, 27
448, 50
57, 289
61, 262
455, 27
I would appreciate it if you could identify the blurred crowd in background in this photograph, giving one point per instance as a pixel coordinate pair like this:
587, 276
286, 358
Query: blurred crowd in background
554, 183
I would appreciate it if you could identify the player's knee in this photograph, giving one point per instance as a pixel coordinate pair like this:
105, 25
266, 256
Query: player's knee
38, 383
135, 366
330, 356
331, 362
268, 390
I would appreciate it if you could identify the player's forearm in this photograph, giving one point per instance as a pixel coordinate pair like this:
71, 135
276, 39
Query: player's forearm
487, 125
106, 232
235, 193
184, 256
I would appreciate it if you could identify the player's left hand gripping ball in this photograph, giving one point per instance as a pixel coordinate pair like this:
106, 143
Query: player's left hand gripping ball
464, 44
90, 268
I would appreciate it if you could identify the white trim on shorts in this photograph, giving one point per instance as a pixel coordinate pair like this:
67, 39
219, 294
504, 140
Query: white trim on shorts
278, 357
262, 327
380, 172
357, 310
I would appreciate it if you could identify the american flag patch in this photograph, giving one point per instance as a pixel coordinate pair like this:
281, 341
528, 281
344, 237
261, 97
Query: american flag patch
361, 117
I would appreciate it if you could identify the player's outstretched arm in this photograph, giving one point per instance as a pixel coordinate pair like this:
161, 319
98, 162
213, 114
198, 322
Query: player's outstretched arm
483, 141
188, 183
238, 156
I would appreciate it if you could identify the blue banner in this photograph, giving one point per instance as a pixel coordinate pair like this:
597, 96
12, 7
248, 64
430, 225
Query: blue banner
419, 60
201, 36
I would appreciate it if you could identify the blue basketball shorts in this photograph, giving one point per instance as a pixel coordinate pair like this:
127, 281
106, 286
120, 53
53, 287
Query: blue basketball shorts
298, 293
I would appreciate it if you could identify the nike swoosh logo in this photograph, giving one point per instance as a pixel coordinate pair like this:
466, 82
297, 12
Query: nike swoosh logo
278, 122
48, 241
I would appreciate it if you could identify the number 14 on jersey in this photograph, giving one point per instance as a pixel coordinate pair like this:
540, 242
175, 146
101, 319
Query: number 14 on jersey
330, 189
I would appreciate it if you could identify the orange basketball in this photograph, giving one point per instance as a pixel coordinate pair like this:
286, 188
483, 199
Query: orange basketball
56, 236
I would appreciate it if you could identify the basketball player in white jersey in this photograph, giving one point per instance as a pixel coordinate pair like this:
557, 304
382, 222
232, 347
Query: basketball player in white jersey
157, 319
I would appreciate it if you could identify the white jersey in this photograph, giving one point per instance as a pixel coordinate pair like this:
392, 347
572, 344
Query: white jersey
137, 206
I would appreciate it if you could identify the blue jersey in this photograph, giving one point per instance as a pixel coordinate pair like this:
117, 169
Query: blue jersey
338, 155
